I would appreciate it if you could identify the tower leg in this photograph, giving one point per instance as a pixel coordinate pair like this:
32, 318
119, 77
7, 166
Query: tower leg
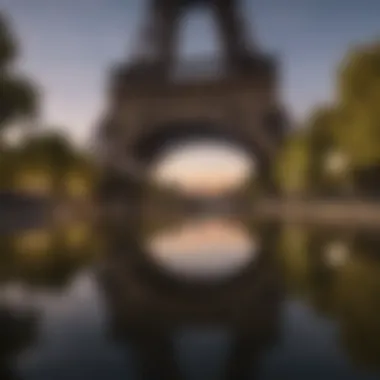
165, 20
231, 32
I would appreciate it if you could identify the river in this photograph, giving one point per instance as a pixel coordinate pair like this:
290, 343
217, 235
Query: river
220, 299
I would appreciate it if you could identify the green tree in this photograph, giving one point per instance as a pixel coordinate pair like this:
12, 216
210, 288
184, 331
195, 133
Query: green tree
8, 160
292, 165
52, 156
358, 121
342, 153
359, 77
328, 170
18, 96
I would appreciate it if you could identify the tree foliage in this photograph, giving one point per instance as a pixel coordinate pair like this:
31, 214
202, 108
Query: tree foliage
349, 126
18, 99
18, 96
292, 165
51, 149
8, 50
52, 161
359, 76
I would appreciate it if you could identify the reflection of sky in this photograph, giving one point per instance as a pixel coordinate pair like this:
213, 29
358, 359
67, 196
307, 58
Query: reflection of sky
206, 249
73, 344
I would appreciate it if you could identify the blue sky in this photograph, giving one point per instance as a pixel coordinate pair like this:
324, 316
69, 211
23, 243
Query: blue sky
67, 46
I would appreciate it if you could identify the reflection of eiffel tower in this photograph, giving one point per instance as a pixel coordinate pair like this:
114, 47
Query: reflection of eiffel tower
145, 306
156, 357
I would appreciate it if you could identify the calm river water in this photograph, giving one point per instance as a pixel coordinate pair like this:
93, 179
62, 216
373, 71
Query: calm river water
238, 301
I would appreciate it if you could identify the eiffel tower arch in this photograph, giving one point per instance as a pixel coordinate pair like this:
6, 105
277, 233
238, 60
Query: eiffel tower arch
151, 105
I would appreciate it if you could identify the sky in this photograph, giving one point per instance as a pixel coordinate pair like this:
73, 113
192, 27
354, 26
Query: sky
68, 46
176, 168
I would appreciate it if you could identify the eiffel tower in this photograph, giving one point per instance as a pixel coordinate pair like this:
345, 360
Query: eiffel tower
149, 107
159, 37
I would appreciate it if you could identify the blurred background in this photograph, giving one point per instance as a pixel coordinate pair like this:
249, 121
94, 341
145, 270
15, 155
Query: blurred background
213, 275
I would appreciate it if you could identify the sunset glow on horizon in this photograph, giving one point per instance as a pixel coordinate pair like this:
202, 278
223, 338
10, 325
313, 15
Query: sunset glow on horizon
206, 167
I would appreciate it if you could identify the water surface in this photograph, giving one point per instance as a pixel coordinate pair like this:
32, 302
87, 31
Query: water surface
307, 310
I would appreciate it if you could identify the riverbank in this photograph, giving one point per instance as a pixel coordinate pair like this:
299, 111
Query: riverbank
320, 212
20, 211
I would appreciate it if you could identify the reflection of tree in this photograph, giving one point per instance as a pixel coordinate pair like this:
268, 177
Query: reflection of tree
322, 272
6, 258
17, 332
54, 271
293, 255
45, 258
348, 292
358, 308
